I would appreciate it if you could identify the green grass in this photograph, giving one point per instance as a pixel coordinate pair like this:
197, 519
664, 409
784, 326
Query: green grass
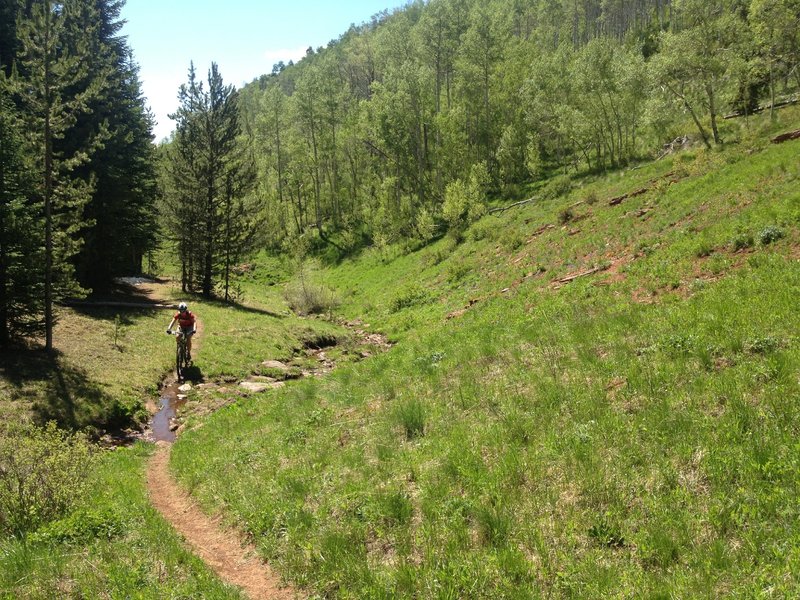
631, 434
112, 545
105, 364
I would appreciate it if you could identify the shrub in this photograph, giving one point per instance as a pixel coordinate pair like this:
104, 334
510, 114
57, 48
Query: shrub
604, 533
770, 234
425, 225
307, 298
83, 526
704, 248
42, 472
484, 230
410, 296
464, 201
559, 186
565, 215
742, 240
457, 271
763, 345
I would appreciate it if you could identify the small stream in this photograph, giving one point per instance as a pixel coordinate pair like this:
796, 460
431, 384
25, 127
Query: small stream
162, 422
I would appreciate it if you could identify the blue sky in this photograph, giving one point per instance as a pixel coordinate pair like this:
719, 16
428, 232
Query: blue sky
244, 37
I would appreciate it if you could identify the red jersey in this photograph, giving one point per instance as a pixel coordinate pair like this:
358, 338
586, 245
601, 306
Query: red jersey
185, 319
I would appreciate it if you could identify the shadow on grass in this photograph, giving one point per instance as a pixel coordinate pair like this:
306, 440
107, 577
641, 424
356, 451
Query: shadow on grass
193, 374
217, 303
58, 392
127, 316
115, 296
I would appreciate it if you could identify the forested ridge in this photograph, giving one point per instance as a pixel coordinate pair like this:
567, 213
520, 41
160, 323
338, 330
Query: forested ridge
403, 125
407, 126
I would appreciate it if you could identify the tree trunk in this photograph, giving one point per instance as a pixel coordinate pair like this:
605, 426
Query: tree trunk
4, 333
208, 255
48, 193
700, 128
278, 151
228, 242
771, 91
713, 110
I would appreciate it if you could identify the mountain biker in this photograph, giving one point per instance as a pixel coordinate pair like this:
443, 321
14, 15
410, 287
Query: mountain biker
188, 325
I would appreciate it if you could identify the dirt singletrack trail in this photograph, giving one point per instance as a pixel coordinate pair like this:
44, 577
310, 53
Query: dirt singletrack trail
230, 557
224, 550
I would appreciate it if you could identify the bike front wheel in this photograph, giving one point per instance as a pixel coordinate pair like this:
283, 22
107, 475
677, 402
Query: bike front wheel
180, 360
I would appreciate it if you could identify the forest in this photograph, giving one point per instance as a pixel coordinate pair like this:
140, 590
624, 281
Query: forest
407, 127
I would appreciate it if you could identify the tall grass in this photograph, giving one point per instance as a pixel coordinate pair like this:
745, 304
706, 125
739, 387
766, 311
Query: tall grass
629, 434
111, 544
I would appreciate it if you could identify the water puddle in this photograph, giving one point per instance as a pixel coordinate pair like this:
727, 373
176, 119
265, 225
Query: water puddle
163, 424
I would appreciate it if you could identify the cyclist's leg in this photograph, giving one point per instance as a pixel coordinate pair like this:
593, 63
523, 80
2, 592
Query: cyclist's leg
188, 338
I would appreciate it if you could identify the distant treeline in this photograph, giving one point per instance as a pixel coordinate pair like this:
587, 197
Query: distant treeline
397, 128
77, 164
396, 131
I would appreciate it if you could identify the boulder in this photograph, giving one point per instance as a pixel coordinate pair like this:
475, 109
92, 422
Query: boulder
255, 386
275, 364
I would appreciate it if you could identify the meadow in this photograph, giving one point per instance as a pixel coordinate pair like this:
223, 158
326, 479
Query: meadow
588, 396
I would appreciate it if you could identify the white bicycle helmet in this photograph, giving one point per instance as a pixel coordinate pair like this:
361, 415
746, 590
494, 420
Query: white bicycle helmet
182, 306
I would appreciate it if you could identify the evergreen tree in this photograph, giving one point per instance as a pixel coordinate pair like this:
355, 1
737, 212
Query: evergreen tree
210, 178
8, 33
122, 207
21, 235
53, 86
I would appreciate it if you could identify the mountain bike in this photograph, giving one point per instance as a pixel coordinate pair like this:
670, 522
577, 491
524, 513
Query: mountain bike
182, 362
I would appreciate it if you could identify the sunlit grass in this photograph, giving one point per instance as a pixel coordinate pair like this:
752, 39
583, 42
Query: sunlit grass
114, 544
631, 433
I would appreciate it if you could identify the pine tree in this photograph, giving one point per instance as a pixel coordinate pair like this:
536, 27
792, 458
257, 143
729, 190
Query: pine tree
210, 178
122, 207
21, 235
53, 86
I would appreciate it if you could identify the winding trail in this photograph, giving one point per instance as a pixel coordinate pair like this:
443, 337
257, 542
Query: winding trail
231, 557
224, 550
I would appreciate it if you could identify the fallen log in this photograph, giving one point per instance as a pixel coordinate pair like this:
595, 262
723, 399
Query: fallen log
644, 190
740, 113
514, 205
575, 276
619, 199
540, 231
785, 137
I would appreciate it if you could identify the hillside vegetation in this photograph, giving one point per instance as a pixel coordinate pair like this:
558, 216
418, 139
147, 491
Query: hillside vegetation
569, 219
627, 432
588, 397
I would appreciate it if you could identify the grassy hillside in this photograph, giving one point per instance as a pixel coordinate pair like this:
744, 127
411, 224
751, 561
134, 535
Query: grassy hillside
588, 398
113, 545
